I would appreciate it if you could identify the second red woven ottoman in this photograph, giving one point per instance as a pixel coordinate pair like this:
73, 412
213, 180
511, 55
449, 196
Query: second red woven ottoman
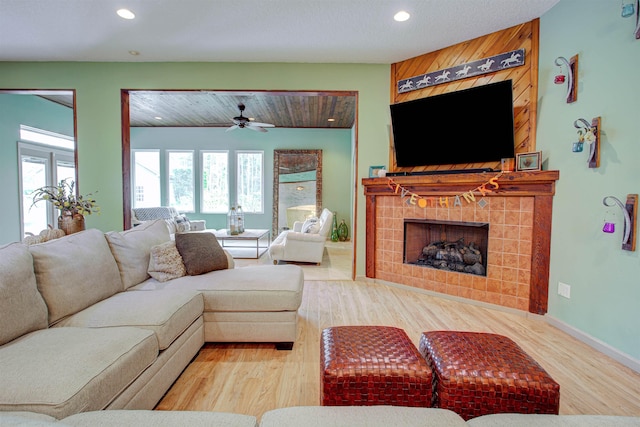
480, 373
372, 365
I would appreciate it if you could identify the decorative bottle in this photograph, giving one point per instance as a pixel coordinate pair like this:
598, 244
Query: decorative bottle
343, 231
240, 219
232, 220
334, 228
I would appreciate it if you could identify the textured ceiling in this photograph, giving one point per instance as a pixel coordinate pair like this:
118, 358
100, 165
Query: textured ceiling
347, 31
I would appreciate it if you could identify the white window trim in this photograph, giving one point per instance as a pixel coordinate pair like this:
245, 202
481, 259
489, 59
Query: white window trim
133, 170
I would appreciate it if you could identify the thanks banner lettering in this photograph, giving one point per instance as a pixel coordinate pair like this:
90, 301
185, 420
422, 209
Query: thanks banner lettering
468, 197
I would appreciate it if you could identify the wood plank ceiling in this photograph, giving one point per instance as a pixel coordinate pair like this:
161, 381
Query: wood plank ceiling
166, 108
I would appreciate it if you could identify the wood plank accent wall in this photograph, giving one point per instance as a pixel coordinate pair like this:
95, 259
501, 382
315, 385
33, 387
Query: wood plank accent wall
525, 92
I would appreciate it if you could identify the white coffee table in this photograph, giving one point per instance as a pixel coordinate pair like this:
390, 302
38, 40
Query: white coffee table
253, 243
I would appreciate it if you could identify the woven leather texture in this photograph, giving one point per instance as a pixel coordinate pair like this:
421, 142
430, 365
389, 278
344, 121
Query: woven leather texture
372, 365
481, 373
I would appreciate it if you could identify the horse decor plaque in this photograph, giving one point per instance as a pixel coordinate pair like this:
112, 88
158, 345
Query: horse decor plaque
512, 59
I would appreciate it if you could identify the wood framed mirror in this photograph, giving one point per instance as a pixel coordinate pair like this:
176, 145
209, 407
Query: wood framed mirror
297, 187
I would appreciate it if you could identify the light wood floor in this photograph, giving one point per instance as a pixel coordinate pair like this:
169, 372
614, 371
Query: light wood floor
254, 378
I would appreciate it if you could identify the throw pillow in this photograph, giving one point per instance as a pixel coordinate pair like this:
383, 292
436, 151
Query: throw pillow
165, 262
182, 223
311, 225
201, 253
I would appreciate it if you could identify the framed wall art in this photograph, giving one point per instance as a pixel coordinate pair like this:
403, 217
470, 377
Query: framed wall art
529, 161
376, 171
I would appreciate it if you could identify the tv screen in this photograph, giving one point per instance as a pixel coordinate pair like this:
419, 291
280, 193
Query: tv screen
472, 125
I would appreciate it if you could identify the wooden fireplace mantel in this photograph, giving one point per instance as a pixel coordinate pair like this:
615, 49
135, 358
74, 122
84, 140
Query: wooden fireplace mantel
537, 184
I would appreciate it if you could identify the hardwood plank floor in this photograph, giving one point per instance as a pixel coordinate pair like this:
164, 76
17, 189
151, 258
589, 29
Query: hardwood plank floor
254, 378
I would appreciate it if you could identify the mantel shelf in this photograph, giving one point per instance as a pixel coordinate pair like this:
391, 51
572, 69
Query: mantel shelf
530, 183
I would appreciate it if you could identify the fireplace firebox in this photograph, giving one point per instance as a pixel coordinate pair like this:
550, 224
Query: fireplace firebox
447, 245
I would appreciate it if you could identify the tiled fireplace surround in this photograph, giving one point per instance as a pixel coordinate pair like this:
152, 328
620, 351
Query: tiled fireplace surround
519, 217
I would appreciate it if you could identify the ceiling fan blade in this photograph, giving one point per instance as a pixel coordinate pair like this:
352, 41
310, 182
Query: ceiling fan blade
234, 127
256, 128
264, 125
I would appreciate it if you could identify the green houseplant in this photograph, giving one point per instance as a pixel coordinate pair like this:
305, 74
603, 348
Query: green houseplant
73, 207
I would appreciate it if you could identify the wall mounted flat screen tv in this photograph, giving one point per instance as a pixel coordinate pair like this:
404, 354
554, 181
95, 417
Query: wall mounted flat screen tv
472, 125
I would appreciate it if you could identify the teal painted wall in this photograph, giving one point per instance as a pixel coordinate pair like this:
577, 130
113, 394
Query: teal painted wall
605, 292
334, 143
16, 110
98, 87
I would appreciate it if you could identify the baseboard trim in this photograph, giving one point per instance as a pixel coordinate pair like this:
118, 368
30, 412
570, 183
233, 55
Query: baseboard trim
601, 346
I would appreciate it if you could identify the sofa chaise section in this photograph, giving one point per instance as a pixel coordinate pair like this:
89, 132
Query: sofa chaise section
250, 304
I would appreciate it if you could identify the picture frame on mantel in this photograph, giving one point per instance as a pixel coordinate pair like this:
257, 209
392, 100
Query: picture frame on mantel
529, 161
376, 171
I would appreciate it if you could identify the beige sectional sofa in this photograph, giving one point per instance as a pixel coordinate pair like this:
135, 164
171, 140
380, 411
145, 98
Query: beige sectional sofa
84, 326
315, 416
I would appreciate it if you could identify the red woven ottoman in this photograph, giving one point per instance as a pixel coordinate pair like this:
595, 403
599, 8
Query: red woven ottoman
479, 373
372, 365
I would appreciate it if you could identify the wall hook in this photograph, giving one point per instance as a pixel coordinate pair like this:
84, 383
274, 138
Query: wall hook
590, 133
630, 211
572, 74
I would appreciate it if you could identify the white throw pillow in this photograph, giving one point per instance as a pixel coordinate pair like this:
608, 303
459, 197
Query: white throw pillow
311, 226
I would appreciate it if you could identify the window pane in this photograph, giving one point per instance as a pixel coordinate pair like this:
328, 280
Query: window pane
146, 179
249, 181
180, 164
34, 176
215, 181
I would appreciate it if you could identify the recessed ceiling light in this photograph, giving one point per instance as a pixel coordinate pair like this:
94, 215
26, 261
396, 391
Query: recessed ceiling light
158, 118
401, 16
125, 14
134, 52
331, 120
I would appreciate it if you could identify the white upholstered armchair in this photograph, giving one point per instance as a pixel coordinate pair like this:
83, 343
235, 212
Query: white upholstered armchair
305, 243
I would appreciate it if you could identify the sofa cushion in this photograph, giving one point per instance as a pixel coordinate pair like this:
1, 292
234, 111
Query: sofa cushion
62, 371
22, 308
167, 313
165, 262
140, 418
74, 272
131, 249
364, 416
258, 288
27, 419
201, 253
548, 420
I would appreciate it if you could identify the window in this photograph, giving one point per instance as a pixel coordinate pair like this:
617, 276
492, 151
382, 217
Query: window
146, 178
249, 181
181, 180
215, 181
46, 161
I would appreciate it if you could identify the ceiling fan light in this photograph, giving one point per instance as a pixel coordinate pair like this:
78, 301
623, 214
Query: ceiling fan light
401, 16
125, 14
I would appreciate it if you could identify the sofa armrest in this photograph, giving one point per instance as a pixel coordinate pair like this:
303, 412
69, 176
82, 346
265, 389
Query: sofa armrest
305, 237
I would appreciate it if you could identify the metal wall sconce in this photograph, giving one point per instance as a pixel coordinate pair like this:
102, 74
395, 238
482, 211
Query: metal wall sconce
572, 76
630, 211
589, 133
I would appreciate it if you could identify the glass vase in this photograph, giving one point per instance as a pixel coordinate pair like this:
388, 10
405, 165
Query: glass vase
334, 229
343, 231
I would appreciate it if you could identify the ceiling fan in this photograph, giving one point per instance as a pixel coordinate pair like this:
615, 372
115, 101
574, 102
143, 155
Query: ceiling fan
244, 122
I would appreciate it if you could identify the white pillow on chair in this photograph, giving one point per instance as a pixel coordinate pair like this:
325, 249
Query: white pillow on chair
311, 226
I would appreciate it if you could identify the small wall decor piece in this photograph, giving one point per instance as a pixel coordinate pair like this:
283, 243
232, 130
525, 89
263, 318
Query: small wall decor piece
630, 211
571, 76
515, 58
529, 161
377, 171
590, 133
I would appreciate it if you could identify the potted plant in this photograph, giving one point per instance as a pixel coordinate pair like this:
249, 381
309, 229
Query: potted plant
73, 207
